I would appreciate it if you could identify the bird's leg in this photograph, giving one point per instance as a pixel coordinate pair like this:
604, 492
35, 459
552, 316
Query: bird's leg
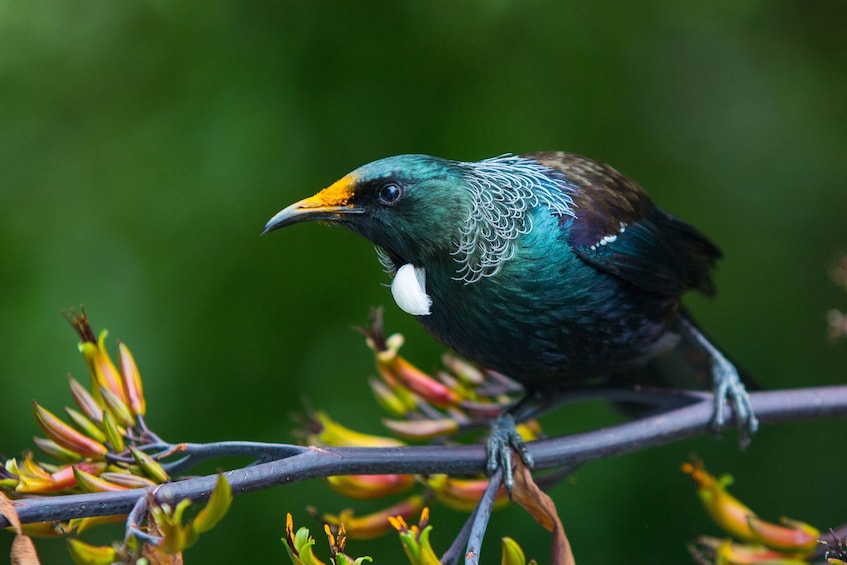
727, 387
505, 437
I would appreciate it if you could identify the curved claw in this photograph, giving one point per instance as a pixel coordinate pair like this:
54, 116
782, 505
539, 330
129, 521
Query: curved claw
728, 389
504, 437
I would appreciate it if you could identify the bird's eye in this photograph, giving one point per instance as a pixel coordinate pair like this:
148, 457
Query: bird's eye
390, 194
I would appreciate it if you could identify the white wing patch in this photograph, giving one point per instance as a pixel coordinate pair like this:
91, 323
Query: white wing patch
409, 290
504, 189
607, 239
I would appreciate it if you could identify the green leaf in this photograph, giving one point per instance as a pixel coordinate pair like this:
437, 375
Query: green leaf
84, 424
217, 507
113, 434
150, 466
85, 554
512, 553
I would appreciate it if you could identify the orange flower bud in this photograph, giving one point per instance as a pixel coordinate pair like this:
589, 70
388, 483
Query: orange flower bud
420, 430
299, 544
35, 480
82, 552
389, 400
726, 510
127, 480
530, 430
397, 370
101, 367
132, 381
41, 529
84, 424
87, 403
66, 436
415, 539
31, 477
117, 408
79, 525
92, 483
334, 434
791, 536
737, 519
728, 553
461, 494
369, 487
422, 384
375, 524
462, 369
150, 466
512, 553
56, 451
114, 435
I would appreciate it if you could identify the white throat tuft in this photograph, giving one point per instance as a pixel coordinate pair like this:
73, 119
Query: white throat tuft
409, 290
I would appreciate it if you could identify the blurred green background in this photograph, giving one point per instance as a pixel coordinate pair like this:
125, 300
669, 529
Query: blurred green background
143, 145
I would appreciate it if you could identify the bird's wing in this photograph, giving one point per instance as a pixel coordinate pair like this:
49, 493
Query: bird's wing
618, 229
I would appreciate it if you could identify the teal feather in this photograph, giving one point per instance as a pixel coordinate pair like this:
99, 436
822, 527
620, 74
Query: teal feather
552, 268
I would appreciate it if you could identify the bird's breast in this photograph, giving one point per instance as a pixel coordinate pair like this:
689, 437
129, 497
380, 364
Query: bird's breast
545, 318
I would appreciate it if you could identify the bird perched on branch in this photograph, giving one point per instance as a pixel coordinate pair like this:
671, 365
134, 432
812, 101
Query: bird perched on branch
551, 268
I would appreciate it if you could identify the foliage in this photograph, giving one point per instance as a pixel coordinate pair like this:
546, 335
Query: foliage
104, 450
107, 449
789, 543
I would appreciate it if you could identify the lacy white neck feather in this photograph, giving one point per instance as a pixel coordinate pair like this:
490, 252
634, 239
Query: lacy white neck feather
504, 189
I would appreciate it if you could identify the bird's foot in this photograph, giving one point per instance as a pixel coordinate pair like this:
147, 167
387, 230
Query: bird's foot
505, 437
728, 389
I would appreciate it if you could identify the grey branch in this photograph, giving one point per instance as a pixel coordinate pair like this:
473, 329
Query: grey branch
301, 463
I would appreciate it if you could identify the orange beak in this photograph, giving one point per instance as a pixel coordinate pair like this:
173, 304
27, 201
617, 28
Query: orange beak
330, 204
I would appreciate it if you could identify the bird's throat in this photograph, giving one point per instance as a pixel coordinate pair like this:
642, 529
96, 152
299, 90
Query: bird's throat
409, 290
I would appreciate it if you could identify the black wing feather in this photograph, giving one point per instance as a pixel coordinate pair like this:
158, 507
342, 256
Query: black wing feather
620, 231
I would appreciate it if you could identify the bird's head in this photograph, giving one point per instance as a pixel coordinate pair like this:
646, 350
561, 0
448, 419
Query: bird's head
461, 219
421, 209
409, 205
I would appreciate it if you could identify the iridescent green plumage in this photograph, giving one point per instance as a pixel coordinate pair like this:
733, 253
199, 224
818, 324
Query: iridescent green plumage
551, 268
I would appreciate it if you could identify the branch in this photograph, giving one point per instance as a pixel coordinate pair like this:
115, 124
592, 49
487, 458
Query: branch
313, 462
480, 518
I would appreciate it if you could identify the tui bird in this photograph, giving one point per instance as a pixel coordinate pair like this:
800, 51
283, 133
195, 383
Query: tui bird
550, 267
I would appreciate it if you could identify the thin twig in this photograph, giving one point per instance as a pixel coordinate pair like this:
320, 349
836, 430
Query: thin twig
198, 452
135, 517
460, 542
481, 516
